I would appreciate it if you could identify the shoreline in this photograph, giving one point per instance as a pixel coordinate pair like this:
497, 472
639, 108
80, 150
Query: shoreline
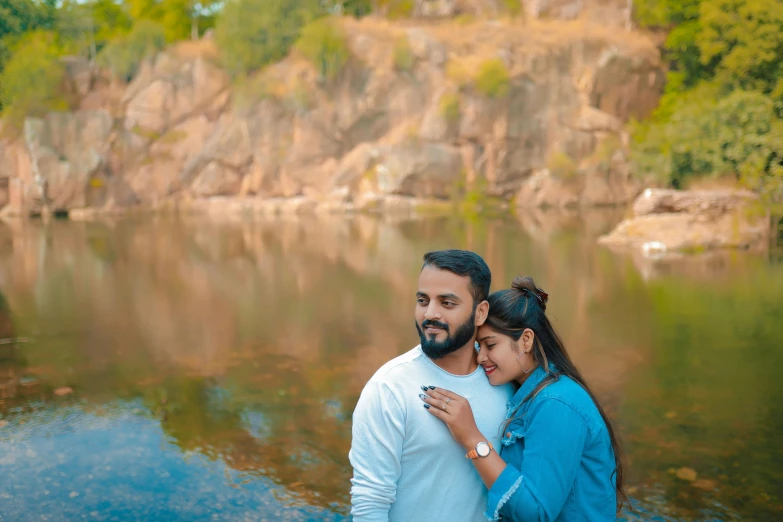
231, 205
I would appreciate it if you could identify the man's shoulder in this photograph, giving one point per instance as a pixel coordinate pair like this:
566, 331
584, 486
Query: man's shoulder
390, 372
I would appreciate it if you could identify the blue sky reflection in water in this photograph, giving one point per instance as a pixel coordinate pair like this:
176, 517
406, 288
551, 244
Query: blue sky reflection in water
214, 364
117, 464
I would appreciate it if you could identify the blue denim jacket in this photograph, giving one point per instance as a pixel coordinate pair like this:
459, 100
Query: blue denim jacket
560, 463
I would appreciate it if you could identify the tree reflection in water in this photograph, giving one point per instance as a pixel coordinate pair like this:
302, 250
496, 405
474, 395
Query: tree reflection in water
249, 341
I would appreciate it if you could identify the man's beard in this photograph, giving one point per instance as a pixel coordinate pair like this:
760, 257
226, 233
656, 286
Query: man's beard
438, 349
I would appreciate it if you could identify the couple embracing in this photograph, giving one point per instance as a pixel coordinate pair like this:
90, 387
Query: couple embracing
487, 417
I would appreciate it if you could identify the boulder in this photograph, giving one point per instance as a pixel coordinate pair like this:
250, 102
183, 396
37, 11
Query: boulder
609, 182
78, 75
612, 12
157, 177
712, 202
413, 168
691, 221
168, 89
425, 47
66, 150
434, 8
626, 85
598, 183
542, 190
216, 180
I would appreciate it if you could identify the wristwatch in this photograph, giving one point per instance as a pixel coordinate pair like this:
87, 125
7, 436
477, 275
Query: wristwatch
482, 450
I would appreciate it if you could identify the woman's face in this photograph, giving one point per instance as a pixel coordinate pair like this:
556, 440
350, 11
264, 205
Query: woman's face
499, 355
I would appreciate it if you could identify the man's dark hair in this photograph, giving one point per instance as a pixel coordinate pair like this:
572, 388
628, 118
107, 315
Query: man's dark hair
463, 263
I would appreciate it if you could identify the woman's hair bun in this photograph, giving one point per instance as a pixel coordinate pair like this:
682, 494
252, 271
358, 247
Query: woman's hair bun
526, 285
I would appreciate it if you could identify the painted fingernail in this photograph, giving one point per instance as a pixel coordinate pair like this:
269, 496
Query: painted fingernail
432, 387
422, 396
427, 406
424, 388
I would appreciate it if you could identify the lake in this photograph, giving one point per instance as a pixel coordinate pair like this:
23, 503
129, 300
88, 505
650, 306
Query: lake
164, 368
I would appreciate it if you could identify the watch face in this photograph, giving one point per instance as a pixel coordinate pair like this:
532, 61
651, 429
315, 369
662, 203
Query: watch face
482, 448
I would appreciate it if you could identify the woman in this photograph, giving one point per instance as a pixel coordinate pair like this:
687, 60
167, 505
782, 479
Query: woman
559, 459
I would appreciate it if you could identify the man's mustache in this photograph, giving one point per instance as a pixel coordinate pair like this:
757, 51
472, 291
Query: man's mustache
435, 324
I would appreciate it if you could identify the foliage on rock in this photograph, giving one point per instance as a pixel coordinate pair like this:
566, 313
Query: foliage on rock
253, 33
324, 44
30, 81
124, 55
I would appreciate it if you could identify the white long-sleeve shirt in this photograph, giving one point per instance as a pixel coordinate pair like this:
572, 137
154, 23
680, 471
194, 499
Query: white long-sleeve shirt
406, 464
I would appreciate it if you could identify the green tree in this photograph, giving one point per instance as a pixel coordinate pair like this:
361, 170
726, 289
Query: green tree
253, 33
124, 54
21, 16
720, 113
30, 83
323, 42
18, 17
181, 19
203, 15
184, 19
86, 27
705, 135
356, 8
681, 49
144, 9
744, 40
738, 41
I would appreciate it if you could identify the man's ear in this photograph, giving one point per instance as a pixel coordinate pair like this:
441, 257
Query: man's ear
482, 311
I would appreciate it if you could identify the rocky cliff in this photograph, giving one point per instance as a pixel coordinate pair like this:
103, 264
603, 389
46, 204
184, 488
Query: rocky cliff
407, 119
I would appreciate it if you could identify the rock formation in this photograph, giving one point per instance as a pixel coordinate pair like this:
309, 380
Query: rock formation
406, 120
692, 221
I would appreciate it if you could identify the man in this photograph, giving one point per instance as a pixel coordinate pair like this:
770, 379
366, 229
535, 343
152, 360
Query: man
407, 467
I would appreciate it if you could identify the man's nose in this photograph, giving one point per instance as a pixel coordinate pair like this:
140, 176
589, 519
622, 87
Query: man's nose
432, 311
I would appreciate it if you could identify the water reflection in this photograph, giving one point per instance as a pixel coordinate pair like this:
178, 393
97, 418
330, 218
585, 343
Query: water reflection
220, 360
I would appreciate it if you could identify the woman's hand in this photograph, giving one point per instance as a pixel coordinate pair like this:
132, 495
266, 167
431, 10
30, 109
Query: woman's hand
455, 411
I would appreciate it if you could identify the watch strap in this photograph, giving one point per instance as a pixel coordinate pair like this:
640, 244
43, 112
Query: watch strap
473, 454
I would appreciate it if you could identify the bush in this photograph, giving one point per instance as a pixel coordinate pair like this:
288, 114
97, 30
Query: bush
512, 7
403, 55
30, 84
449, 106
396, 9
458, 72
606, 149
247, 91
738, 134
253, 33
464, 19
85, 28
492, 79
562, 166
357, 8
324, 44
124, 55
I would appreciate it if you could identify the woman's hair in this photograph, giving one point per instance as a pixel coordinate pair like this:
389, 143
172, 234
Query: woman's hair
523, 306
